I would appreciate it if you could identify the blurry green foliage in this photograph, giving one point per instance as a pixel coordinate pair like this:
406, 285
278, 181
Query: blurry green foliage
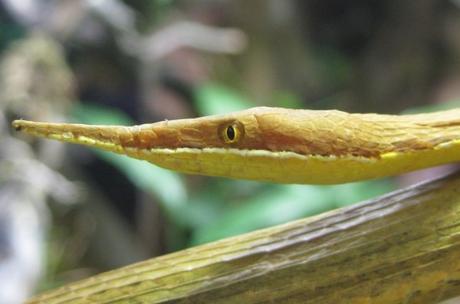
278, 204
213, 99
10, 31
332, 67
286, 99
452, 104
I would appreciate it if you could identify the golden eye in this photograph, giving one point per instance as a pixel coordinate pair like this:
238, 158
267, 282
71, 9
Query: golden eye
231, 133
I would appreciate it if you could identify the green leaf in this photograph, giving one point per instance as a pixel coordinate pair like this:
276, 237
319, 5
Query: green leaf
452, 104
215, 99
279, 204
93, 114
287, 100
283, 203
351, 193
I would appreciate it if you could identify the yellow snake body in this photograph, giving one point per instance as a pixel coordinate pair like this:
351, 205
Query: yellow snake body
279, 145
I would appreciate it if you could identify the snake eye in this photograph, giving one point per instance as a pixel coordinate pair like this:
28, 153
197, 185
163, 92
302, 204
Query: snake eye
231, 133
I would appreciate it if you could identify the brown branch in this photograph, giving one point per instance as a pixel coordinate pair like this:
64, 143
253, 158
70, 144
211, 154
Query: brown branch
400, 248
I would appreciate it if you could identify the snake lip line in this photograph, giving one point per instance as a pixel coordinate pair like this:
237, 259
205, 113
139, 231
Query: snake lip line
248, 152
170, 152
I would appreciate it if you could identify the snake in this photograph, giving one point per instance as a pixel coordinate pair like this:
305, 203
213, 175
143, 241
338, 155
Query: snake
293, 146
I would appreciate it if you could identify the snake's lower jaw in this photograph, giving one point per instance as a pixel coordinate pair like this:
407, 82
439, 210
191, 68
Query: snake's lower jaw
289, 167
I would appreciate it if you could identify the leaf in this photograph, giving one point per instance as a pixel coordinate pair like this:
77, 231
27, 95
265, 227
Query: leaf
214, 99
287, 100
351, 193
94, 114
283, 203
452, 104
279, 204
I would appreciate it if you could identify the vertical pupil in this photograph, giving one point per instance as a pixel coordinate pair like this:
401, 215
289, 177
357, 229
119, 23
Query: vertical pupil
230, 133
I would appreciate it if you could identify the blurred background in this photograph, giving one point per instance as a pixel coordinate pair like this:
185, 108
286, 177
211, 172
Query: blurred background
68, 212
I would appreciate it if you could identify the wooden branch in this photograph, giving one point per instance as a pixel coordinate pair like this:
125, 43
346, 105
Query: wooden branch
400, 248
